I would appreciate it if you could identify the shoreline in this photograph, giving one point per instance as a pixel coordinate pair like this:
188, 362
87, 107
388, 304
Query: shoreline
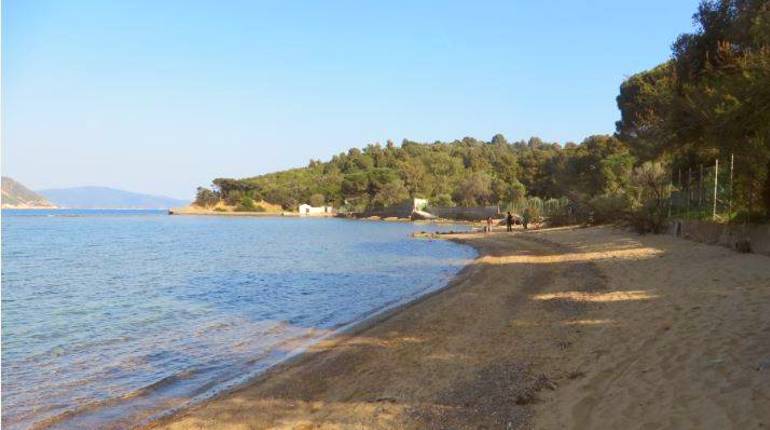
333, 338
149, 420
187, 211
340, 336
202, 212
343, 333
90, 413
526, 334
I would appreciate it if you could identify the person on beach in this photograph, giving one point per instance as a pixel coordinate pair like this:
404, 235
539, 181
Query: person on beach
525, 218
509, 222
489, 224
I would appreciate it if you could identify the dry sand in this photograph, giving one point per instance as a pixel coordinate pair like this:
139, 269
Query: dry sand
559, 329
225, 210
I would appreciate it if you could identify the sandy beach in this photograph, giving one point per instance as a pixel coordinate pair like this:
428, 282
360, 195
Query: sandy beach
554, 329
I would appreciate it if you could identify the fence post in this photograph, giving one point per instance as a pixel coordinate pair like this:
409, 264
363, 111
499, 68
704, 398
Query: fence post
689, 190
730, 205
716, 180
681, 190
670, 194
751, 198
700, 189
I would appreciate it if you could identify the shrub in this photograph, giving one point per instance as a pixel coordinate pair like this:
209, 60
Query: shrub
535, 206
233, 197
609, 207
559, 212
255, 195
649, 201
247, 205
442, 200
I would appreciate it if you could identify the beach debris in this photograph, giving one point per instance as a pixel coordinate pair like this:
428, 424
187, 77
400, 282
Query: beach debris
562, 344
763, 365
576, 374
743, 246
386, 399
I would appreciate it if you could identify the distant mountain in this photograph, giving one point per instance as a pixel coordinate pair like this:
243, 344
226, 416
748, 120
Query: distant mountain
16, 195
108, 198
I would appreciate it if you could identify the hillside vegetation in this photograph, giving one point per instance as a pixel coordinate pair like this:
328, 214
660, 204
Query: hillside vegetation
16, 195
709, 102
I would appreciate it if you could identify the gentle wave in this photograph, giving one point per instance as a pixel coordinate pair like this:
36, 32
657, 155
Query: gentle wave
157, 312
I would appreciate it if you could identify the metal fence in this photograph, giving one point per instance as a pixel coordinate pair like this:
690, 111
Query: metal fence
708, 192
538, 207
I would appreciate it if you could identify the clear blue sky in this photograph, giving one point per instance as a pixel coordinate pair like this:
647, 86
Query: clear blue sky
163, 96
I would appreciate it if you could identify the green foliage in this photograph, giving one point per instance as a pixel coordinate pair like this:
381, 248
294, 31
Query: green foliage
442, 200
711, 100
473, 190
317, 200
559, 212
650, 191
466, 172
206, 198
234, 197
247, 204
390, 193
535, 207
608, 207
645, 102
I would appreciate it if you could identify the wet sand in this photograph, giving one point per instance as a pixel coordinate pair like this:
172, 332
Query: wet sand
563, 328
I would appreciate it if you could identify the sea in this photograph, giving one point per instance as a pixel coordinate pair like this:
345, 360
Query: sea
112, 318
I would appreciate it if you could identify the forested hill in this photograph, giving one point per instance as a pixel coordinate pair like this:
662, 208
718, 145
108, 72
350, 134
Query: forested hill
465, 172
709, 102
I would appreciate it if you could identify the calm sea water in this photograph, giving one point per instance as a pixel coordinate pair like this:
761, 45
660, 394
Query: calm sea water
111, 317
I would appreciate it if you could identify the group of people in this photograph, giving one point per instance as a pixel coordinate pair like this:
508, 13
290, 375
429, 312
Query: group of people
509, 221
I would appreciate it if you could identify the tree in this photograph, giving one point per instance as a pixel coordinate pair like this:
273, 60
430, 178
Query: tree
206, 198
650, 185
601, 164
499, 139
516, 192
227, 185
442, 200
474, 190
234, 197
390, 194
646, 102
317, 200
355, 184
709, 101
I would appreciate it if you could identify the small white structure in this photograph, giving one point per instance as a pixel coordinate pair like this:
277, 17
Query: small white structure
419, 204
307, 210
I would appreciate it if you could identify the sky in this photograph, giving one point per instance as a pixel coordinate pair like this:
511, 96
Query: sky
163, 96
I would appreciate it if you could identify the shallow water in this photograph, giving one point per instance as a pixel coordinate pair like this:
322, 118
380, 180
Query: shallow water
110, 317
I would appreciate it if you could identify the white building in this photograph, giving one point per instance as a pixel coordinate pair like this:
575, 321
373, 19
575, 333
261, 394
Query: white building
306, 209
